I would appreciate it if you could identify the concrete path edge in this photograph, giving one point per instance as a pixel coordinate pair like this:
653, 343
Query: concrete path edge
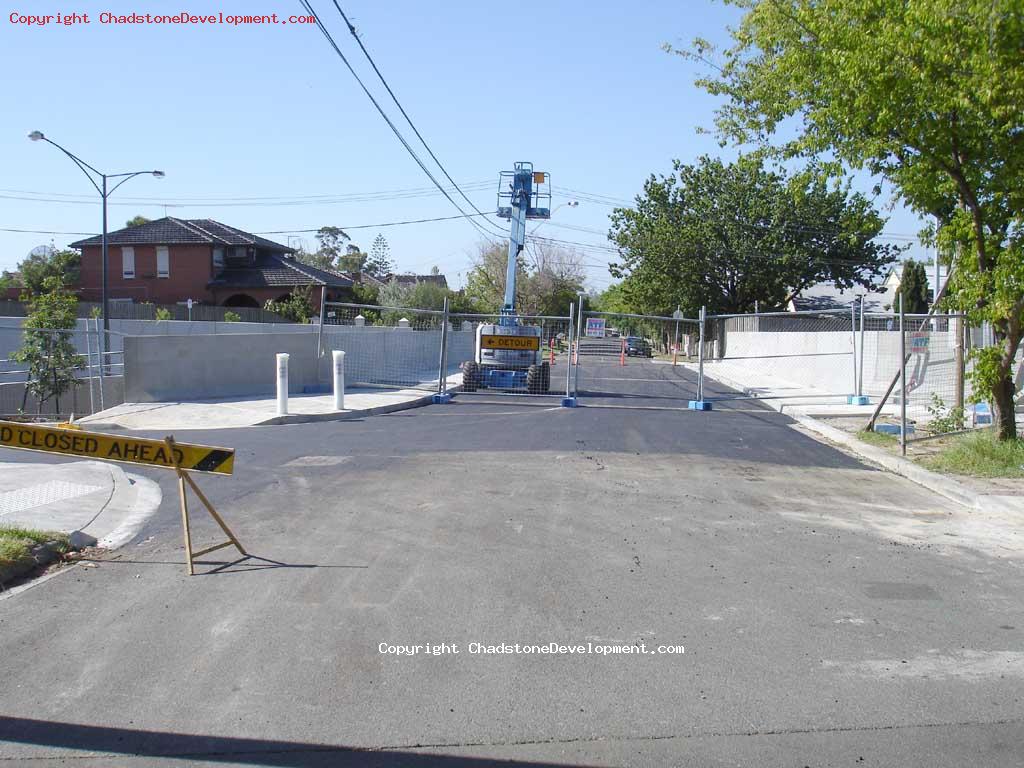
948, 487
304, 418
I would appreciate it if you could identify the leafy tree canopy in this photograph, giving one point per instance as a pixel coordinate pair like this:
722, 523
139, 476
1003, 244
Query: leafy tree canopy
136, 221
547, 281
729, 235
928, 94
36, 268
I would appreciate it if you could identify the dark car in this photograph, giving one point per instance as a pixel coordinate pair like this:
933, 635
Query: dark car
638, 347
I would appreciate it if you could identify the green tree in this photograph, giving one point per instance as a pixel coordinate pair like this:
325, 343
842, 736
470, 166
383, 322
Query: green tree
44, 263
48, 347
136, 221
426, 295
547, 279
396, 294
927, 94
914, 288
297, 306
379, 263
729, 235
353, 260
364, 293
331, 241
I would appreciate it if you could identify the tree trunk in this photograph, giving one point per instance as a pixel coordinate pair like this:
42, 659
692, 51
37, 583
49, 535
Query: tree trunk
1004, 418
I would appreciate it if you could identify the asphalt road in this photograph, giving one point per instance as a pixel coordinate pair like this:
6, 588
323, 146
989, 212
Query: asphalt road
831, 614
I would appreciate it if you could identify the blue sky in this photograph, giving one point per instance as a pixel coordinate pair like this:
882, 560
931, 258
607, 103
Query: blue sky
581, 89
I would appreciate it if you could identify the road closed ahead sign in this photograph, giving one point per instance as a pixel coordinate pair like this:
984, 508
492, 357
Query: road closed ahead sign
132, 450
519, 343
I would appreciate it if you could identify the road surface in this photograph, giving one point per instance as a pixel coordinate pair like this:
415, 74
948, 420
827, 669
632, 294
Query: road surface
831, 614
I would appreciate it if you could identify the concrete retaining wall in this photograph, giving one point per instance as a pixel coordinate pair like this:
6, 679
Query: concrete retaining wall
162, 368
170, 368
824, 360
77, 401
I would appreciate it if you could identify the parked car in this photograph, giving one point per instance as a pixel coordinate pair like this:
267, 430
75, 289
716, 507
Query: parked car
638, 347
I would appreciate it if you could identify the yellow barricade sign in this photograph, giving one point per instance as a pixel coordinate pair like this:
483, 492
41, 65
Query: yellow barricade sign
494, 341
132, 450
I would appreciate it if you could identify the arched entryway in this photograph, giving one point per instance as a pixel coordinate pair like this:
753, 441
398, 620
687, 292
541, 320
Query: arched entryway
241, 300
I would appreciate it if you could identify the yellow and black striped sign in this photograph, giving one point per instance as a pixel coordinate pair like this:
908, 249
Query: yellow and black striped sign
132, 450
500, 341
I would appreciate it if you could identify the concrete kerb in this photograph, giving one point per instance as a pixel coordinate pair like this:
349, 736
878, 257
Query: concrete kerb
944, 486
304, 418
948, 487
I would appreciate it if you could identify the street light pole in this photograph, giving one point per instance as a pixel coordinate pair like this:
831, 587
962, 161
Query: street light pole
104, 193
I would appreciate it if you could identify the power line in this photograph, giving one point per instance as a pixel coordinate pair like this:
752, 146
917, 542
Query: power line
43, 232
354, 196
394, 98
279, 231
383, 114
239, 203
371, 226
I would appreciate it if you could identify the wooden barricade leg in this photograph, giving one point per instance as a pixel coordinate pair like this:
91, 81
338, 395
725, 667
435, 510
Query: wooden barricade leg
183, 479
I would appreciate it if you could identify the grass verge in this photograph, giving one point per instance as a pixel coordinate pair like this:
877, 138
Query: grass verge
979, 454
16, 543
881, 439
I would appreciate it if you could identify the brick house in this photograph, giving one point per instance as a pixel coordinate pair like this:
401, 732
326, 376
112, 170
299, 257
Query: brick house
170, 260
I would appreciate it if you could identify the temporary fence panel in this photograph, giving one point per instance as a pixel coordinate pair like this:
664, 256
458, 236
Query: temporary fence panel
936, 388
804, 349
59, 371
528, 358
385, 346
609, 339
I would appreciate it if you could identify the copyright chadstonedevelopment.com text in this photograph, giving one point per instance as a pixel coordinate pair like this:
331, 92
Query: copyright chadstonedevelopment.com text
588, 648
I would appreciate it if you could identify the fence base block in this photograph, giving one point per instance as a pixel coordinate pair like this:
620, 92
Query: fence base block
858, 400
569, 402
441, 398
700, 405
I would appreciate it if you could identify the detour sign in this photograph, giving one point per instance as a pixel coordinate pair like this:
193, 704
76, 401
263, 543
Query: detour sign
493, 341
133, 450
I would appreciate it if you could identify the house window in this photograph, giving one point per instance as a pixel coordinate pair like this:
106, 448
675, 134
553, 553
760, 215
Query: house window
128, 263
163, 261
218, 258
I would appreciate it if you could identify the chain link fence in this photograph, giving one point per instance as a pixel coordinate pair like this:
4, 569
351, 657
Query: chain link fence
620, 338
815, 349
438, 350
59, 372
398, 347
528, 358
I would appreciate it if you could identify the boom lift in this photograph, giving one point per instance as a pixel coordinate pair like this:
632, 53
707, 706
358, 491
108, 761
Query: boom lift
508, 353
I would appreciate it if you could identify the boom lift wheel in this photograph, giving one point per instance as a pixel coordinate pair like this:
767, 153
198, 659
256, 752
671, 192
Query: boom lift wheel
470, 376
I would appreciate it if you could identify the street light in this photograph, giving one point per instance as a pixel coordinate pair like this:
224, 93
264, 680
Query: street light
104, 194
569, 204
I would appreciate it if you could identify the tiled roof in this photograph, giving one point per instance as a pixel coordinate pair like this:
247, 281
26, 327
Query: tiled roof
825, 296
172, 231
413, 279
274, 270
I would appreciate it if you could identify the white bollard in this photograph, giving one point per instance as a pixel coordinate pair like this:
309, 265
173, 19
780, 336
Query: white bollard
339, 380
282, 384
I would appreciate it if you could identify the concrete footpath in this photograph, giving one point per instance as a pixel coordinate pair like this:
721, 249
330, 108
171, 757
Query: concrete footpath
225, 413
94, 498
803, 404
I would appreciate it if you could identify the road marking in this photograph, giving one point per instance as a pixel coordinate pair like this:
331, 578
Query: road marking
606, 378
